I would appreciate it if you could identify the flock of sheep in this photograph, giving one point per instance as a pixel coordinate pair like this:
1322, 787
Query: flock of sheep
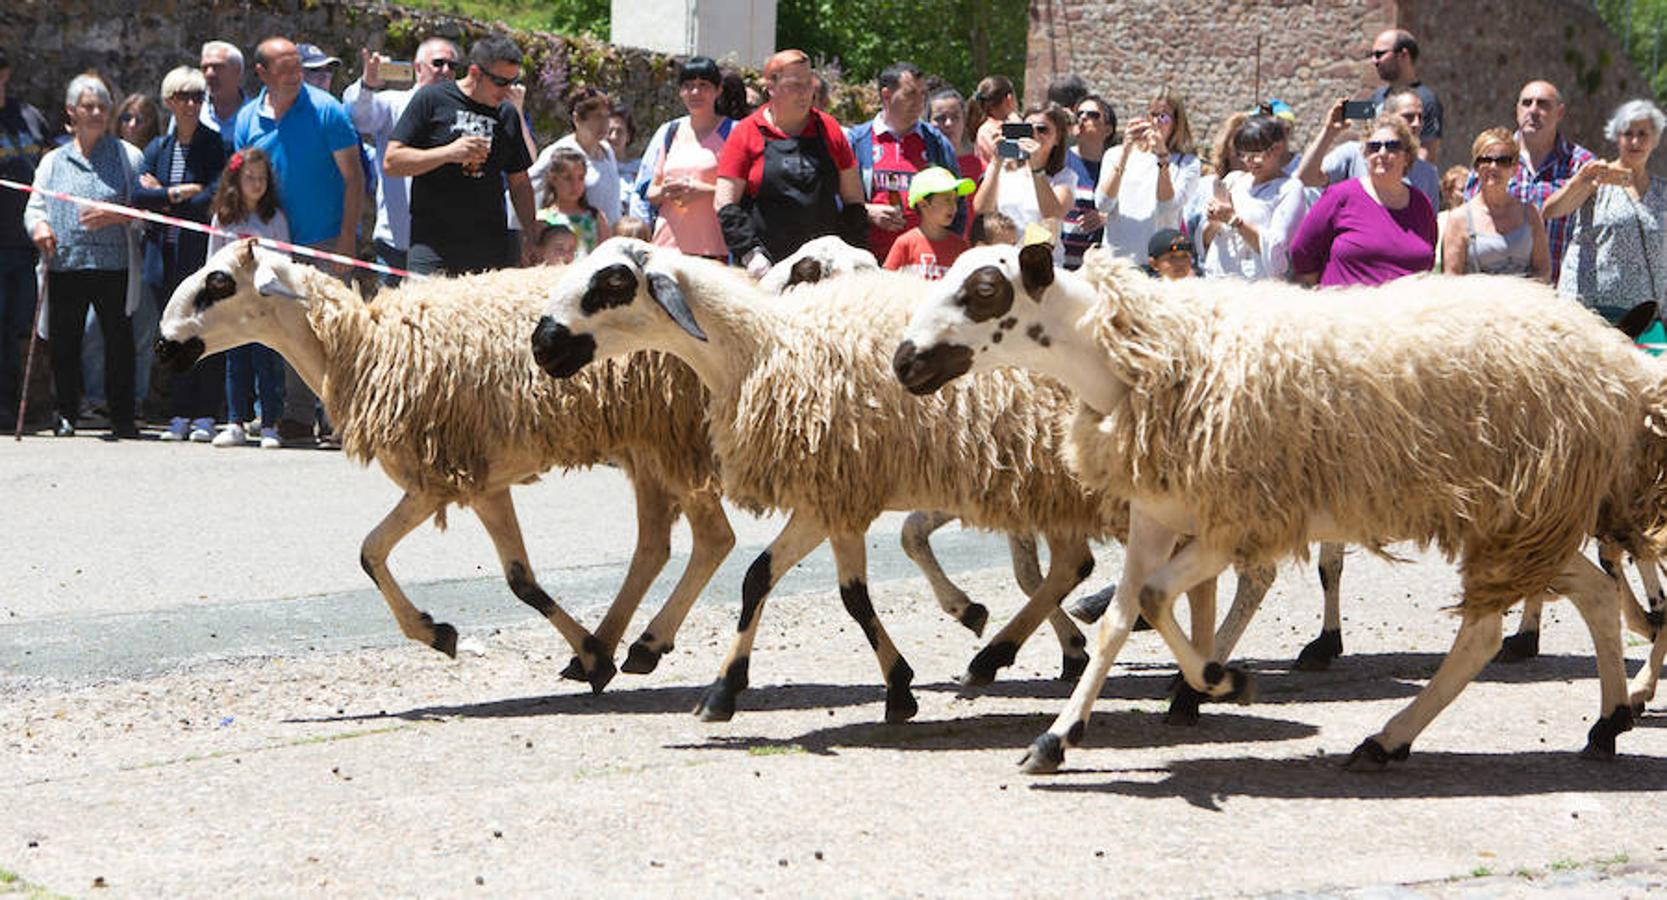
1202, 424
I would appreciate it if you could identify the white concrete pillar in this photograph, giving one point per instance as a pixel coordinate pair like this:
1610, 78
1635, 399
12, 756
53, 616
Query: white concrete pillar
744, 29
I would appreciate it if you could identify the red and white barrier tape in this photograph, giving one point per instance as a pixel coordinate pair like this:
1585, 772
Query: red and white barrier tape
149, 216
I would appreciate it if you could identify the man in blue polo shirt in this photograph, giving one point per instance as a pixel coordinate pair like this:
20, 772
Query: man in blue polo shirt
315, 168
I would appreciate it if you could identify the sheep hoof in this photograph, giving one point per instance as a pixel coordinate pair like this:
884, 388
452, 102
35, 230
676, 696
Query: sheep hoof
1183, 707
717, 704
1656, 619
982, 670
1241, 687
975, 617
1073, 667
575, 670
1045, 755
1318, 654
900, 704
1600, 740
641, 659
1371, 757
445, 640
1091, 607
1518, 647
602, 674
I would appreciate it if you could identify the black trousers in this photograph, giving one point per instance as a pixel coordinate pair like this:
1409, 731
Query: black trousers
68, 296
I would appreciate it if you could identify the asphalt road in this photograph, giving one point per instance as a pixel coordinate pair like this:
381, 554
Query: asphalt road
199, 695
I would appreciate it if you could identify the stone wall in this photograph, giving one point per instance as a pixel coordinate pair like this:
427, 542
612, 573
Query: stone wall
134, 42
1476, 54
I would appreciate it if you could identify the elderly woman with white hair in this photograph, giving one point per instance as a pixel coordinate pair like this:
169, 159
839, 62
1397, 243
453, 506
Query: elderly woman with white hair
1616, 256
91, 254
179, 175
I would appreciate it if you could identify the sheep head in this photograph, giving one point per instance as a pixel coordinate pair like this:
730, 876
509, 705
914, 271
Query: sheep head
990, 310
820, 258
625, 296
225, 304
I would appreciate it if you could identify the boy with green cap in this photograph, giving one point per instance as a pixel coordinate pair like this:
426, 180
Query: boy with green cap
929, 249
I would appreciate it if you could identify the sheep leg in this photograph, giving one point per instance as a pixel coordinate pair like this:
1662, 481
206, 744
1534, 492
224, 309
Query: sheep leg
1612, 558
1190, 567
1525, 644
1070, 561
415, 624
497, 512
1641, 690
1595, 593
851, 561
1252, 588
655, 513
1478, 639
1649, 573
1027, 571
797, 538
1201, 618
1149, 544
915, 537
713, 539
1318, 654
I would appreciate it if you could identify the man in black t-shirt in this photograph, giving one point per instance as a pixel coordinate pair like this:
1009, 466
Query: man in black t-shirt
460, 141
23, 140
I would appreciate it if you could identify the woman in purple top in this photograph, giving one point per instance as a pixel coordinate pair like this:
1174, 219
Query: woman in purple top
1372, 229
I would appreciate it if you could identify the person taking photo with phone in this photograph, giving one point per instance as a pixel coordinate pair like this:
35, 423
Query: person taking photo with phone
1029, 182
1324, 165
1145, 181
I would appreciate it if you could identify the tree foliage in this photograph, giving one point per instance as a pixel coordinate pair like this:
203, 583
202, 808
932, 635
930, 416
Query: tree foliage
960, 41
1641, 27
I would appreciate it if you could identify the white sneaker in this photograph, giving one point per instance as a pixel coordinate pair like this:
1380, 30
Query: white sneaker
233, 436
178, 428
202, 430
269, 439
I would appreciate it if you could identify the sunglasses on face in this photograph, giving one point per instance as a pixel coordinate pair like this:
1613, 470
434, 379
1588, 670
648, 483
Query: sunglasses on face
189, 96
1495, 161
501, 81
128, 118
442, 64
1089, 115
1393, 146
1042, 129
1380, 54
1162, 117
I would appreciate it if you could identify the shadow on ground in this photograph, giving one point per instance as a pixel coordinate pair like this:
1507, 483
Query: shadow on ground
1002, 731
1206, 783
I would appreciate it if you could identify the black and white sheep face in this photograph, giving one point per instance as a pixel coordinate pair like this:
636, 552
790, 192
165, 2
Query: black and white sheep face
986, 313
225, 304
623, 297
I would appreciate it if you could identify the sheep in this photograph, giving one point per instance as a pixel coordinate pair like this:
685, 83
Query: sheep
804, 417
1258, 424
827, 258
427, 381
819, 259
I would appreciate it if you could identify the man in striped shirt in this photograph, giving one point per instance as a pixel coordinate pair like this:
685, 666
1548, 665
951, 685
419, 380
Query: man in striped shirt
1548, 160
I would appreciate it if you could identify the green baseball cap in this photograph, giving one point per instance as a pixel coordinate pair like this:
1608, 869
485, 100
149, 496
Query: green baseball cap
937, 180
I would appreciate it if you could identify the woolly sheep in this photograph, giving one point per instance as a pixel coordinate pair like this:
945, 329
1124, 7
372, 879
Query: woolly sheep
804, 417
433, 381
1259, 423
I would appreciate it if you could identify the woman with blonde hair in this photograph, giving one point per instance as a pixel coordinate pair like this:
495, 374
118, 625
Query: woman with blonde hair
1494, 232
1147, 180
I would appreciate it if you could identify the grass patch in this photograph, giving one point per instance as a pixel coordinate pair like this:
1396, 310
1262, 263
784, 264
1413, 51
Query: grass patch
1481, 872
13, 885
299, 742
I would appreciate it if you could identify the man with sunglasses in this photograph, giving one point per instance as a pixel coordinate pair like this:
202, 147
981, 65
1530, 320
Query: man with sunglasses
1395, 59
459, 142
374, 108
23, 141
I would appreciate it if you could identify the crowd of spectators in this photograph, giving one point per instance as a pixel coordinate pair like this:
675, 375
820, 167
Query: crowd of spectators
443, 148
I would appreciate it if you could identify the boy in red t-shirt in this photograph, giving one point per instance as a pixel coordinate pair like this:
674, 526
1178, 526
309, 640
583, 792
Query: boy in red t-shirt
929, 249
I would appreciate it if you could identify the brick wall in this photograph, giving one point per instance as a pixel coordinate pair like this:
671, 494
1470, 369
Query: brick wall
1476, 54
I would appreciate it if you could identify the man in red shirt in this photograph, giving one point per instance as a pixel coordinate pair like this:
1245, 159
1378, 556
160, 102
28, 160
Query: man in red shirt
785, 171
892, 148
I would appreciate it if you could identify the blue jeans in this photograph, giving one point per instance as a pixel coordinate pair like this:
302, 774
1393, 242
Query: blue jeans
259, 370
17, 308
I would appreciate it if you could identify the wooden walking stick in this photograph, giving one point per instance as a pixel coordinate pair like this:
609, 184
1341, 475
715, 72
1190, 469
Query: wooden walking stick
29, 357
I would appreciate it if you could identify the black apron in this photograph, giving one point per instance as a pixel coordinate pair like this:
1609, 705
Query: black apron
798, 193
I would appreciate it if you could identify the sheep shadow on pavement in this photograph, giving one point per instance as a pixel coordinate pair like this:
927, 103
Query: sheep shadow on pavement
1208, 783
1117, 729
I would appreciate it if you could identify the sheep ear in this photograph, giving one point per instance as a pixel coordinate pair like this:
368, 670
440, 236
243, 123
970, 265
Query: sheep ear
246, 252
268, 283
666, 292
1036, 269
